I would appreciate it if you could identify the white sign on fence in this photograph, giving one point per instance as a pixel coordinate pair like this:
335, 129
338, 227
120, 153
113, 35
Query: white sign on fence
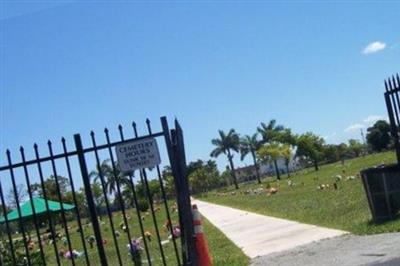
138, 154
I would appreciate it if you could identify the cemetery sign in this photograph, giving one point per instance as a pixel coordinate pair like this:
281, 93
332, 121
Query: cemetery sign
138, 154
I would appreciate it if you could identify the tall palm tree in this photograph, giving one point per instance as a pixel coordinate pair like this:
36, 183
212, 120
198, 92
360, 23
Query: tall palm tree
250, 144
270, 132
271, 152
225, 144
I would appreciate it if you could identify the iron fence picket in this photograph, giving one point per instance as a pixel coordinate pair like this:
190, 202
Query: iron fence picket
10, 240
119, 194
37, 229
78, 216
151, 202
165, 201
106, 200
21, 224
136, 204
89, 199
63, 218
48, 213
140, 220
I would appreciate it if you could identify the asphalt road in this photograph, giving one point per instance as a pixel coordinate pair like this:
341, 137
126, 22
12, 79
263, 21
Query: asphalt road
346, 250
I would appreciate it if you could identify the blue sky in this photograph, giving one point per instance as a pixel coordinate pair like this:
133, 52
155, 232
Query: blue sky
73, 67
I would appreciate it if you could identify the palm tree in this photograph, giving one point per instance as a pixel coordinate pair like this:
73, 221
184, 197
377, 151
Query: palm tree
270, 132
271, 152
111, 178
250, 144
225, 144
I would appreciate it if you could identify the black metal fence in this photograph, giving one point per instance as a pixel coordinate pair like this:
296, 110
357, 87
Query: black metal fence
115, 219
392, 98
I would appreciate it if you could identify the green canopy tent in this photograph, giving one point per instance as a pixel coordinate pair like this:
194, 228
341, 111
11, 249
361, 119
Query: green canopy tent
39, 205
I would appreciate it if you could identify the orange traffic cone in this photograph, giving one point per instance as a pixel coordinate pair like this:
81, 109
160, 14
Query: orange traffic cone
203, 255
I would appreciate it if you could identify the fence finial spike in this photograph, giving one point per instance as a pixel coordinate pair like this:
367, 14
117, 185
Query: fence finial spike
49, 142
134, 124
390, 84
147, 121
8, 152
35, 146
62, 139
106, 130
120, 127
21, 148
91, 133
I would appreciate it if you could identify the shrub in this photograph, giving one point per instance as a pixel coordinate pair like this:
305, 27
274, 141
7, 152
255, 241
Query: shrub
143, 205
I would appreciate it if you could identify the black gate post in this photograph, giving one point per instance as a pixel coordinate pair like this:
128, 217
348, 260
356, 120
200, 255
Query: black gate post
176, 154
89, 198
180, 161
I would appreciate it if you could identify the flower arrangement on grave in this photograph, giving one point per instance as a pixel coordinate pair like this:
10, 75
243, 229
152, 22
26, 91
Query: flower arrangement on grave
135, 250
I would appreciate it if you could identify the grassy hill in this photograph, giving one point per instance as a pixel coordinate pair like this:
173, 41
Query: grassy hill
345, 208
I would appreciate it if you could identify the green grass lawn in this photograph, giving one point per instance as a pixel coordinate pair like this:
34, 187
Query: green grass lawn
224, 252
345, 208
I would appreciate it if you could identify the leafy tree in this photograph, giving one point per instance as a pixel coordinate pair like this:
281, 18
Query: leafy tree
225, 177
193, 166
98, 196
330, 153
205, 176
226, 144
154, 189
271, 152
378, 136
286, 136
169, 185
311, 147
2, 208
250, 145
22, 196
287, 155
342, 151
81, 203
50, 187
355, 147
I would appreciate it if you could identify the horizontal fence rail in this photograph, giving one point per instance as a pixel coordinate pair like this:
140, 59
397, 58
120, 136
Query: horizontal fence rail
76, 207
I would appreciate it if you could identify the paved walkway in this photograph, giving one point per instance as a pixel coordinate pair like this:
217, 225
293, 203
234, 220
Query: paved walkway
260, 235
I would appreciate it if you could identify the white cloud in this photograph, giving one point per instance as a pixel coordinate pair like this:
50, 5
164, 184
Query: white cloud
354, 128
370, 120
367, 122
374, 47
